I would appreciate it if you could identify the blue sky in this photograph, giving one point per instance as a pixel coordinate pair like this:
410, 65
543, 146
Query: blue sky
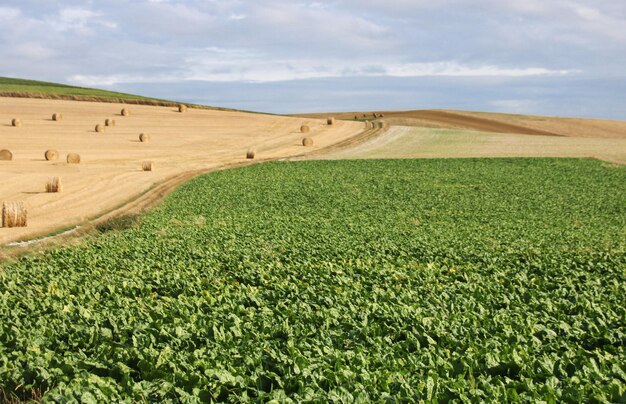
552, 57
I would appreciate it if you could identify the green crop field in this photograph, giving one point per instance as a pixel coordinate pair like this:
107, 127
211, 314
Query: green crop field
395, 281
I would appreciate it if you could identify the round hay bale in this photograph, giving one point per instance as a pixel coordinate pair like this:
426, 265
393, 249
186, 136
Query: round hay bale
372, 125
54, 185
305, 129
364, 115
307, 142
182, 108
99, 128
14, 214
330, 121
147, 166
16, 122
381, 115
356, 118
51, 155
125, 112
367, 124
381, 124
73, 158
251, 154
374, 114
144, 138
109, 122
6, 155
57, 117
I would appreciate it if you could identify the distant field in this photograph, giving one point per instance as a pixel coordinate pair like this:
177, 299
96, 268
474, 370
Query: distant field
355, 281
413, 142
495, 123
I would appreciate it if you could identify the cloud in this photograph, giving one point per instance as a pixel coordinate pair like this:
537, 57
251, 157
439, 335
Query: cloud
117, 42
220, 65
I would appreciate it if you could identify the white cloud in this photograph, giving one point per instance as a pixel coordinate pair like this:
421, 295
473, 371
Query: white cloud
9, 13
221, 65
237, 17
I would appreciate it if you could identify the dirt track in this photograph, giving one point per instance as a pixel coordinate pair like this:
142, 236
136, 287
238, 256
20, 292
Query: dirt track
110, 173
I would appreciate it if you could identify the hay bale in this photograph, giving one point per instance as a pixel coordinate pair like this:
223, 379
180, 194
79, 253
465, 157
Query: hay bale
57, 117
381, 124
73, 158
251, 154
14, 214
182, 108
99, 128
6, 155
305, 129
381, 115
367, 124
372, 125
330, 121
109, 122
51, 155
364, 115
356, 118
147, 166
16, 122
125, 112
375, 116
144, 138
307, 142
54, 185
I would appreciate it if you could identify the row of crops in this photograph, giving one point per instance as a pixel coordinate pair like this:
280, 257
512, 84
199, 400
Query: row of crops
485, 279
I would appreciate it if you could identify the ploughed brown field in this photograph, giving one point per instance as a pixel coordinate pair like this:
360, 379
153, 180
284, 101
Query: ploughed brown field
110, 173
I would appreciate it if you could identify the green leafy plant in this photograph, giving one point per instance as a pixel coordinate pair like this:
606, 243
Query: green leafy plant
404, 280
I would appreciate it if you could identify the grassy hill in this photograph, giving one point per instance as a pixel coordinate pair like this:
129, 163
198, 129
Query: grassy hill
12, 87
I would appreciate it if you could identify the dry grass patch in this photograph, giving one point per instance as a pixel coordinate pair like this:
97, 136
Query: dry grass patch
54, 185
6, 155
14, 214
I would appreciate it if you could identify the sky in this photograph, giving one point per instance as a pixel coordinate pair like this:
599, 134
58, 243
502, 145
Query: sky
548, 57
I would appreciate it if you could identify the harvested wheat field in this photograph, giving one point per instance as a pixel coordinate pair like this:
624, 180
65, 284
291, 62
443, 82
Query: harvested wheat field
110, 172
412, 142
